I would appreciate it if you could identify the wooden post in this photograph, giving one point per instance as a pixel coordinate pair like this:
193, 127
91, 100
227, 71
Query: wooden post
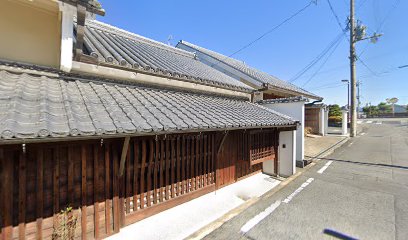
22, 195
96, 192
123, 156
83, 191
39, 195
107, 191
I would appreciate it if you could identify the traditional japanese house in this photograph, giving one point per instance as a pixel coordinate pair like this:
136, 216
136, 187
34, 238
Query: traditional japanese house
116, 126
287, 97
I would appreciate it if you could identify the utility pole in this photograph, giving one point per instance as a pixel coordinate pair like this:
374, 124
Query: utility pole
353, 112
357, 33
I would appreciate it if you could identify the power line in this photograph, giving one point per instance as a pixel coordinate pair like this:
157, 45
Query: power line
397, 2
337, 17
317, 59
323, 63
366, 66
273, 29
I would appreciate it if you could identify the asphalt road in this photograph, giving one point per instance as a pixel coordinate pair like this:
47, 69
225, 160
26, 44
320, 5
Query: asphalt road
360, 192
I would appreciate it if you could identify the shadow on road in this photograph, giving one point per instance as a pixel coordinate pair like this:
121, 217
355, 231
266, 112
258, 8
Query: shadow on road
363, 163
337, 235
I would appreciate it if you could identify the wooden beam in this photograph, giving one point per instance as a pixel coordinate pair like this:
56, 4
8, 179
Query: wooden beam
123, 156
222, 142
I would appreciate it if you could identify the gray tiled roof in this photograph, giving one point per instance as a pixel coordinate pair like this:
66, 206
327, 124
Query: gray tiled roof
125, 49
39, 106
284, 100
260, 76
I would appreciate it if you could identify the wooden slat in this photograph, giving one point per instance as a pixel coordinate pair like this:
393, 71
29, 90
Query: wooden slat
162, 171
205, 153
142, 175
83, 191
172, 168
70, 176
178, 166
135, 173
96, 192
22, 195
149, 174
183, 164
192, 163
107, 191
168, 159
197, 162
115, 190
188, 172
128, 181
155, 171
39, 192
147, 212
7, 228
55, 182
121, 200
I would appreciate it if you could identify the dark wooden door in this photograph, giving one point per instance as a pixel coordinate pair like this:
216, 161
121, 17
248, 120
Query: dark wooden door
227, 160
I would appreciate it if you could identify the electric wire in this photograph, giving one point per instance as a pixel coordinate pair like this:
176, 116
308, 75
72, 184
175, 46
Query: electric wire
267, 32
317, 59
323, 63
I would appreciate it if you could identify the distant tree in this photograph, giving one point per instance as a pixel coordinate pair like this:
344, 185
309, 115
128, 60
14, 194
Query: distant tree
370, 110
334, 110
384, 107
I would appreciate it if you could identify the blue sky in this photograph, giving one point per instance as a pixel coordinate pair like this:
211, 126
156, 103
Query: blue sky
226, 26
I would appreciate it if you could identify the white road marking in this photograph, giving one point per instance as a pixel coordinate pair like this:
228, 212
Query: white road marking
378, 123
258, 218
359, 121
369, 121
325, 167
362, 134
262, 215
297, 191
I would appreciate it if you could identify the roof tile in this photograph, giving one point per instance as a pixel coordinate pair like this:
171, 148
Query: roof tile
46, 107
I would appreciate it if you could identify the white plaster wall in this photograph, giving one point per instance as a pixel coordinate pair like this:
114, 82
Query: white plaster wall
268, 167
326, 121
296, 110
287, 153
321, 122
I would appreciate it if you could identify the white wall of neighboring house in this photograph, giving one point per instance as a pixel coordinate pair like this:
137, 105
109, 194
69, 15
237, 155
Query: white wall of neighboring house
322, 123
296, 110
326, 121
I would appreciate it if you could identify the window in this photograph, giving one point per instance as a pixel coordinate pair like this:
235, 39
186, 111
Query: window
262, 145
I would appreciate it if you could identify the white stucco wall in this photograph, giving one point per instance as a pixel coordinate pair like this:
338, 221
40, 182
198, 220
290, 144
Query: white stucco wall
326, 121
286, 155
322, 124
296, 110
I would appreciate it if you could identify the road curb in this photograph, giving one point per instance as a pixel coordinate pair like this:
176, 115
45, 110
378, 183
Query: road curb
206, 230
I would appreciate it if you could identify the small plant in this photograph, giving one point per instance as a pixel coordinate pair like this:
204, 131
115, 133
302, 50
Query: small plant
65, 225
